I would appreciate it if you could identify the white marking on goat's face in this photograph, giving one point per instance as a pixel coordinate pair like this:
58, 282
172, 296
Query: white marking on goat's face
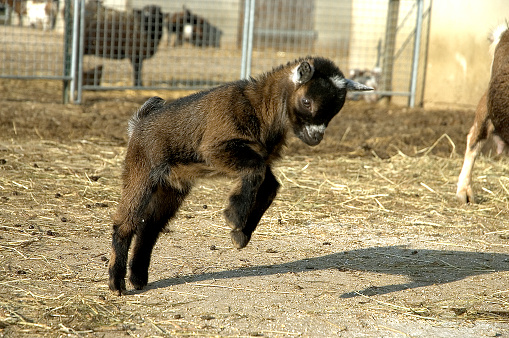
314, 129
312, 134
295, 75
339, 81
188, 31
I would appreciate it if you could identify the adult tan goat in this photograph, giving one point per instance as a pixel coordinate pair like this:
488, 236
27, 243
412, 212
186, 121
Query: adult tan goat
491, 115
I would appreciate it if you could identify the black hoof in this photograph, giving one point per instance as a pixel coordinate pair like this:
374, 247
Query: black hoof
138, 282
239, 239
117, 286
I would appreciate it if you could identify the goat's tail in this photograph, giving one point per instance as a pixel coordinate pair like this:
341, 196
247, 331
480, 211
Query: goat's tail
151, 105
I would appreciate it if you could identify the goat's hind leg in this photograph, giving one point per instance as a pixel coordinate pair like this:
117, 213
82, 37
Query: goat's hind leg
162, 206
480, 131
121, 240
130, 213
475, 141
464, 192
127, 220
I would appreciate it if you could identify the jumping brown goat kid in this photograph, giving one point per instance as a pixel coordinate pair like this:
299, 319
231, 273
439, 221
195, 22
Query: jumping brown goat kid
237, 130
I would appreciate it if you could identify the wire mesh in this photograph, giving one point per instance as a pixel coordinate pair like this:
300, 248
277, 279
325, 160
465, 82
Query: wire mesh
31, 48
198, 44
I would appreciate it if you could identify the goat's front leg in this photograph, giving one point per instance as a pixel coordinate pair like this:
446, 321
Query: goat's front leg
242, 202
255, 190
264, 197
249, 201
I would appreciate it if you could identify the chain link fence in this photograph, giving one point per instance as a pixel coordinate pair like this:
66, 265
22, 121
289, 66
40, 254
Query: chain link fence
156, 44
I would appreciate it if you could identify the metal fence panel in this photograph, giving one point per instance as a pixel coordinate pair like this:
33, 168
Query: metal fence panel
197, 48
198, 44
30, 47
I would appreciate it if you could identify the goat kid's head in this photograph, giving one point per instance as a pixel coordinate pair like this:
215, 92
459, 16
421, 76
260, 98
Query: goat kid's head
320, 92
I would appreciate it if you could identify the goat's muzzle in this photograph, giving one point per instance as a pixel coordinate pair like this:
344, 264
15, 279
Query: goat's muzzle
311, 134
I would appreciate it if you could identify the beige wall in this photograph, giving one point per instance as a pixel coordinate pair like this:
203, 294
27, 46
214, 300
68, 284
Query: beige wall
458, 61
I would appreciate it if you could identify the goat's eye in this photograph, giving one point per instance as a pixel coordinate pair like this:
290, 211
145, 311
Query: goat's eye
306, 102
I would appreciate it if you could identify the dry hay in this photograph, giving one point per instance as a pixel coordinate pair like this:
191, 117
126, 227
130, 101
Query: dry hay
58, 195
77, 190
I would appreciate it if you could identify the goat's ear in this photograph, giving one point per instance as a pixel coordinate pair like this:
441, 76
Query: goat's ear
356, 86
303, 73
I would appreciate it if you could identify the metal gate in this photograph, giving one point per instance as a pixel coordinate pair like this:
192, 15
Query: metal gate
193, 44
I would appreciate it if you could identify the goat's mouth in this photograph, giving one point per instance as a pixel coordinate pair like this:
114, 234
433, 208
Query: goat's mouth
312, 135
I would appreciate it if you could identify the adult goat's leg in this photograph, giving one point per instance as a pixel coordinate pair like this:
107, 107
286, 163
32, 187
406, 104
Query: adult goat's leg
480, 131
137, 63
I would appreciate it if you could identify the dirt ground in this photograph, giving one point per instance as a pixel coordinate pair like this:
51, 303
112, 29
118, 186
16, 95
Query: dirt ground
365, 239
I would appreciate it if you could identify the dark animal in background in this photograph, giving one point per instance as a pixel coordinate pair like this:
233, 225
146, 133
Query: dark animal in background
92, 77
118, 35
236, 130
491, 115
194, 29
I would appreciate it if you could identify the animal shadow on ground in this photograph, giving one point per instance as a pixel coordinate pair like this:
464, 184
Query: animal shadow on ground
423, 267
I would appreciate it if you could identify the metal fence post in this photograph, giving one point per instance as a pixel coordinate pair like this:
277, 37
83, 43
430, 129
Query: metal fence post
247, 39
391, 29
417, 51
74, 55
79, 76
67, 50
427, 14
